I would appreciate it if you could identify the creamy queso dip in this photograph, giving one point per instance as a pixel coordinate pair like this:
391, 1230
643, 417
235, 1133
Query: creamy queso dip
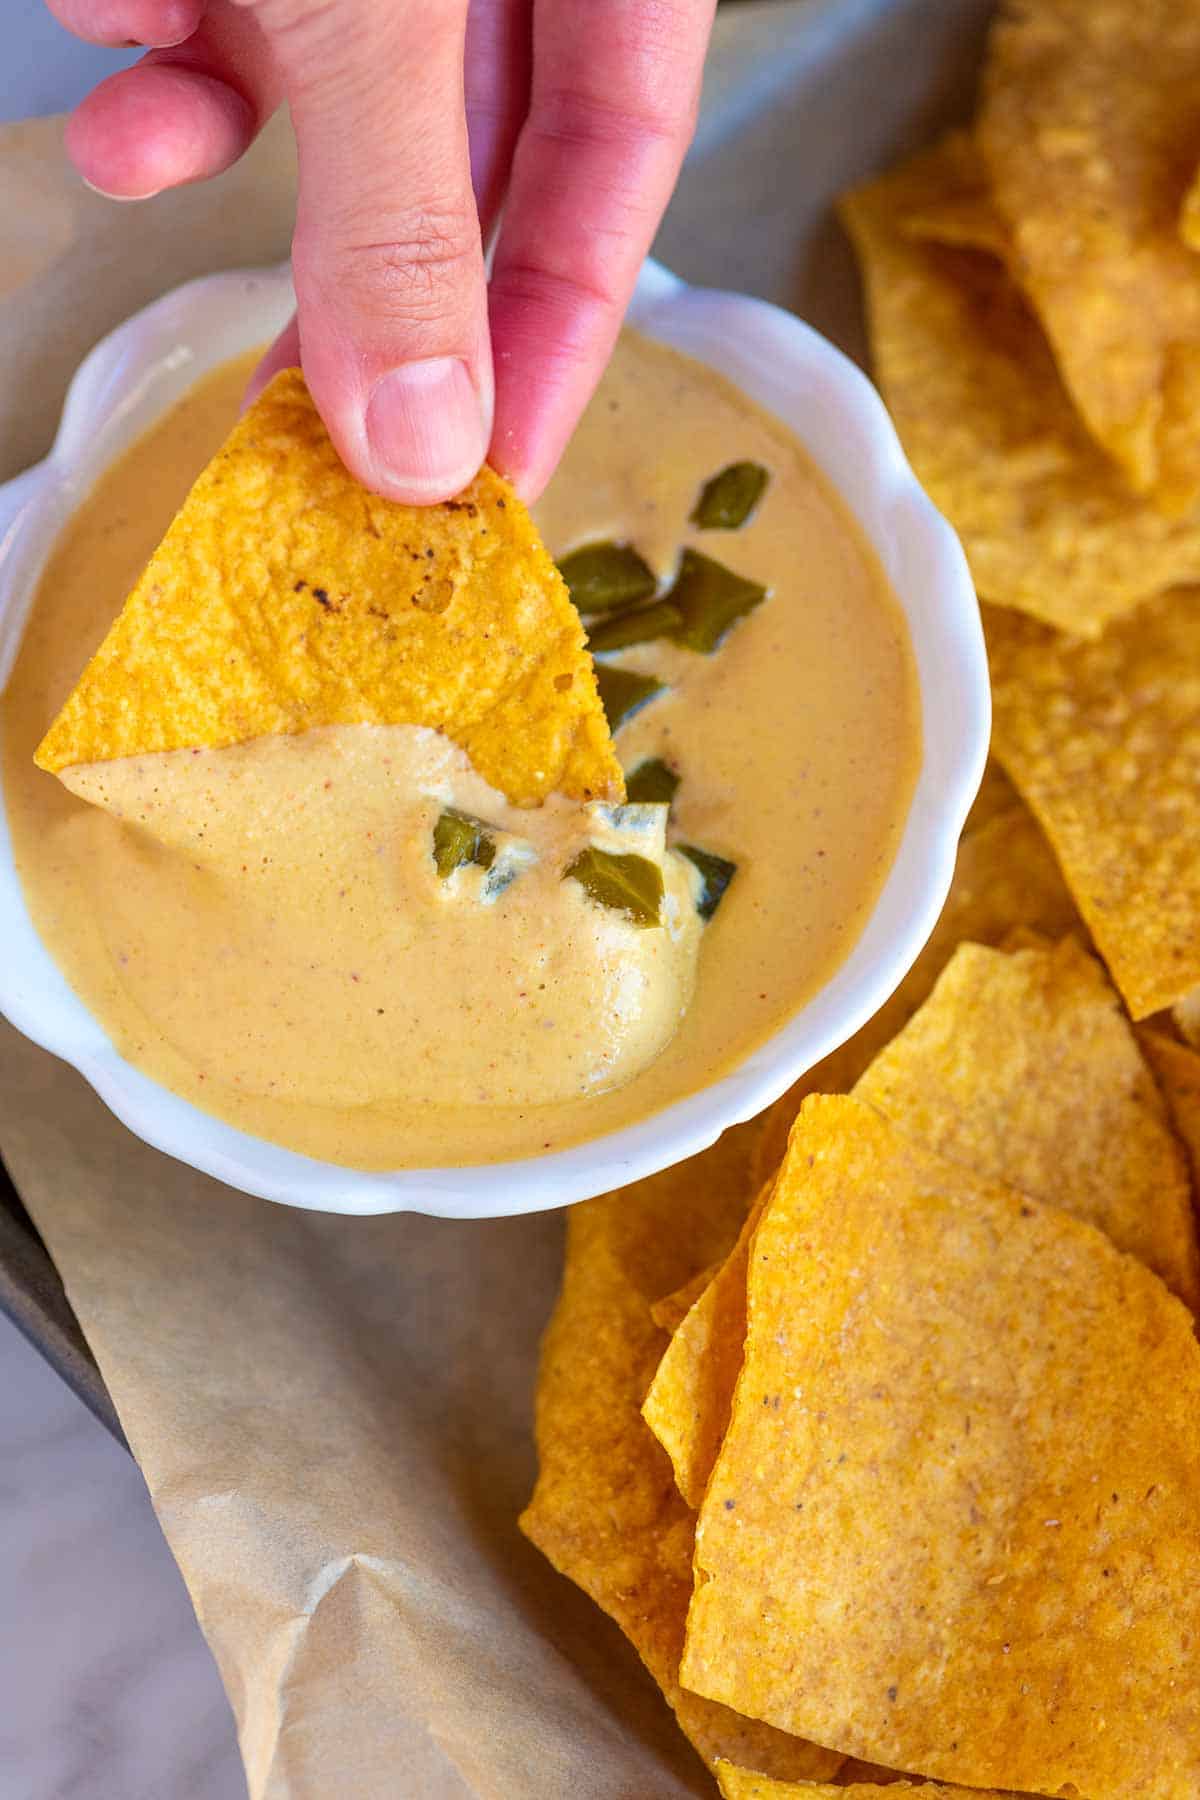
262, 928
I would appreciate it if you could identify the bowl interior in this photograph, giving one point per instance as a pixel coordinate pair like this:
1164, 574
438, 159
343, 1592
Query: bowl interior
150, 362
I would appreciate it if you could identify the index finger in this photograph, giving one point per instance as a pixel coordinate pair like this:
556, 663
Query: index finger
613, 107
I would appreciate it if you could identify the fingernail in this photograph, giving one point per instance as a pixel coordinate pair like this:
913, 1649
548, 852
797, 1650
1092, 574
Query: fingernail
426, 428
124, 199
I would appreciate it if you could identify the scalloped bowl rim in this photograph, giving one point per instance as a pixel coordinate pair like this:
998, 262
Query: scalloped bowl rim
145, 364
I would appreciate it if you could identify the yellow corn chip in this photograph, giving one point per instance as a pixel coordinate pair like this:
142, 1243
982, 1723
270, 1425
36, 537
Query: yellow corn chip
1103, 741
285, 596
1186, 1013
961, 212
996, 795
673, 1308
955, 1522
605, 1510
742, 1784
1024, 1068
1048, 523
1177, 1067
1189, 215
968, 1077
687, 1405
1089, 126
1006, 878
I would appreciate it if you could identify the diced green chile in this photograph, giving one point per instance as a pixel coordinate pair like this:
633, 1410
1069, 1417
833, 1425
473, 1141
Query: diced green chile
716, 873
623, 693
636, 626
458, 838
629, 884
712, 599
652, 780
605, 576
728, 500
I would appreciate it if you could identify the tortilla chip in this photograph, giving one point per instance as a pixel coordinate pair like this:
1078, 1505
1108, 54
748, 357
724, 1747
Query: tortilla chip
1006, 878
961, 212
743, 1784
670, 1312
1024, 1068
1186, 1014
285, 596
1089, 126
1048, 523
955, 1523
605, 1510
1177, 1068
996, 795
688, 1403
1103, 741
1189, 214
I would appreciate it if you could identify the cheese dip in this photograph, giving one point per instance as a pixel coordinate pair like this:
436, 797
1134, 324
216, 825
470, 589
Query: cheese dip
268, 929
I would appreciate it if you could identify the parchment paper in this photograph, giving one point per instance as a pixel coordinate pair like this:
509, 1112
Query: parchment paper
333, 1415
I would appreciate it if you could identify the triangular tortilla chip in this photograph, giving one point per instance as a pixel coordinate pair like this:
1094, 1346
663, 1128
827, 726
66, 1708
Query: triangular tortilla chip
743, 1784
605, 1510
1177, 1068
687, 1404
955, 1522
285, 596
1006, 877
1048, 522
1089, 125
670, 1312
1024, 1068
1103, 741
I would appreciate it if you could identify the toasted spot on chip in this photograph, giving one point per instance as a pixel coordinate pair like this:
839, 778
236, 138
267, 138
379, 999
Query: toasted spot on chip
1089, 125
285, 596
1023, 1067
605, 1510
688, 1401
1006, 878
1048, 522
743, 1784
1103, 741
965, 1482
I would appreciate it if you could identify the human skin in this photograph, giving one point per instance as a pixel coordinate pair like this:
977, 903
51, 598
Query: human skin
424, 127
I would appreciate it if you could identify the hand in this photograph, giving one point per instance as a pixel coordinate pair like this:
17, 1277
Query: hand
416, 120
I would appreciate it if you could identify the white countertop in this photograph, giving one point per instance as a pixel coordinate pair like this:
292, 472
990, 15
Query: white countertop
109, 1690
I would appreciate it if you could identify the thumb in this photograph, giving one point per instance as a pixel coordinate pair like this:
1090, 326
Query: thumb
387, 256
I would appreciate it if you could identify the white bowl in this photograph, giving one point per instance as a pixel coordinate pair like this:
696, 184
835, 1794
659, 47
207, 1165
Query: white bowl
151, 360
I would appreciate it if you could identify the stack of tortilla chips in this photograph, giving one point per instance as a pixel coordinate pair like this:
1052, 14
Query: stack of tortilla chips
877, 1428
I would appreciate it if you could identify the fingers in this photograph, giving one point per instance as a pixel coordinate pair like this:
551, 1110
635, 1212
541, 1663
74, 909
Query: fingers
612, 110
120, 22
387, 256
182, 113
499, 57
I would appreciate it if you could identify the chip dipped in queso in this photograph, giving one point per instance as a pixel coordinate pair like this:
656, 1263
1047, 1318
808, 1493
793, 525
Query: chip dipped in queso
363, 842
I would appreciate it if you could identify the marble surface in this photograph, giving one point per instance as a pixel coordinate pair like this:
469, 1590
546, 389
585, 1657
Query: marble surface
109, 1690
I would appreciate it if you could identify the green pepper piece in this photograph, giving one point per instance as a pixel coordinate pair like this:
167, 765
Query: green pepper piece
459, 838
637, 626
623, 693
629, 884
712, 599
728, 500
652, 780
604, 576
716, 873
